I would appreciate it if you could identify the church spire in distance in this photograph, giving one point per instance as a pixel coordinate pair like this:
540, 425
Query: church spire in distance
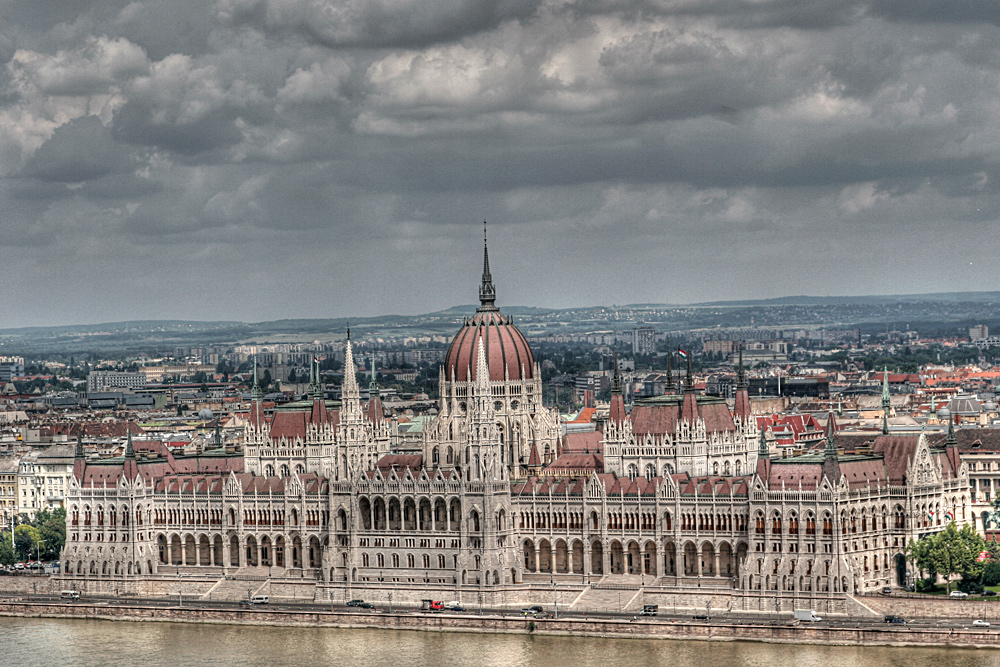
487, 293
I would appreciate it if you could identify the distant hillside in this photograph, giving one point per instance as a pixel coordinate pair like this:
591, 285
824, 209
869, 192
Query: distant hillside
803, 300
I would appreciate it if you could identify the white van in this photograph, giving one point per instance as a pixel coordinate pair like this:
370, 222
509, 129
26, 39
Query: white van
69, 595
259, 599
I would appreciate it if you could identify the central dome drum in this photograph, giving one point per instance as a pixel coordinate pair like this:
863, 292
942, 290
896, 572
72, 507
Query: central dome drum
507, 351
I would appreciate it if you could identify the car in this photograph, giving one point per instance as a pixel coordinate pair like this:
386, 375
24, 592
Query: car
988, 593
366, 605
958, 594
892, 618
246, 604
886, 591
700, 617
355, 603
531, 611
979, 623
456, 607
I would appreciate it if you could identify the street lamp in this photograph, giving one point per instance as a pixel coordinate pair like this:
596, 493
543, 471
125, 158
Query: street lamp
555, 599
180, 589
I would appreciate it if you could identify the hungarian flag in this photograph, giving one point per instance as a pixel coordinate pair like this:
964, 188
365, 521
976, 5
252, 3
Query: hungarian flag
930, 514
682, 353
949, 515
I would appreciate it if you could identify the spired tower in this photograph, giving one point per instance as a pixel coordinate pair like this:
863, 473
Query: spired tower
510, 382
360, 441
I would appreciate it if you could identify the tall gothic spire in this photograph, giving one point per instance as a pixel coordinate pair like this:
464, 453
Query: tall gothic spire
79, 443
886, 403
482, 370
951, 439
689, 382
616, 412
762, 450
741, 374
670, 377
256, 394
373, 383
616, 379
129, 451
350, 387
831, 429
487, 293
315, 385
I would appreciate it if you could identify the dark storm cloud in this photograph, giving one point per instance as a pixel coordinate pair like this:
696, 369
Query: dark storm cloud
358, 144
376, 23
967, 11
80, 150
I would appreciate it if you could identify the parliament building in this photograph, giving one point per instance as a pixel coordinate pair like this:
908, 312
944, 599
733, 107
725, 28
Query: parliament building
675, 495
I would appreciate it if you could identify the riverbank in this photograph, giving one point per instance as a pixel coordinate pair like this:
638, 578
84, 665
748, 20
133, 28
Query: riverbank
787, 633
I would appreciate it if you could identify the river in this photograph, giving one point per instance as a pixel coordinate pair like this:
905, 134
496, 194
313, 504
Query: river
48, 642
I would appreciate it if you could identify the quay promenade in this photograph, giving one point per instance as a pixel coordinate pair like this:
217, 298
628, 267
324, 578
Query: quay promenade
945, 633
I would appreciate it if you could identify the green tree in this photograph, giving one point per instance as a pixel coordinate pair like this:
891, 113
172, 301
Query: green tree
950, 553
7, 555
52, 530
26, 538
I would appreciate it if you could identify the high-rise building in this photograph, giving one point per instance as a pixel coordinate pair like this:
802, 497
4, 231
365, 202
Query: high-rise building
643, 340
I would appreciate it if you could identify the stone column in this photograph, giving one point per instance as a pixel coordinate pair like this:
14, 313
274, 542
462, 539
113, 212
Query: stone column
552, 559
569, 559
718, 573
537, 559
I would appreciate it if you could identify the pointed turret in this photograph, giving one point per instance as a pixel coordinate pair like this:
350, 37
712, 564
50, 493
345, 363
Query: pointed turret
350, 386
763, 457
831, 462
617, 412
319, 414
375, 413
670, 377
79, 460
886, 403
218, 434
350, 393
487, 293
741, 407
256, 400
482, 383
831, 430
131, 467
951, 440
689, 408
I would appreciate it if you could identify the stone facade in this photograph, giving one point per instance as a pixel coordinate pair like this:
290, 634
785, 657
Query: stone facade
685, 496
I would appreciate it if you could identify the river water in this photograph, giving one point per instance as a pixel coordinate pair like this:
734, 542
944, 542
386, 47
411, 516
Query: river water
51, 642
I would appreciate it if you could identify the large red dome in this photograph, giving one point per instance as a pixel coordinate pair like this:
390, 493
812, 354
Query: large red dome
505, 346
507, 352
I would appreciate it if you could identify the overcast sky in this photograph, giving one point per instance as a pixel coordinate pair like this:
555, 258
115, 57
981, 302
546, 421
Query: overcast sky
260, 159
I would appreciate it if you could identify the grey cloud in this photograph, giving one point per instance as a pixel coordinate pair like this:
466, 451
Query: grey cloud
81, 150
967, 11
361, 147
376, 23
